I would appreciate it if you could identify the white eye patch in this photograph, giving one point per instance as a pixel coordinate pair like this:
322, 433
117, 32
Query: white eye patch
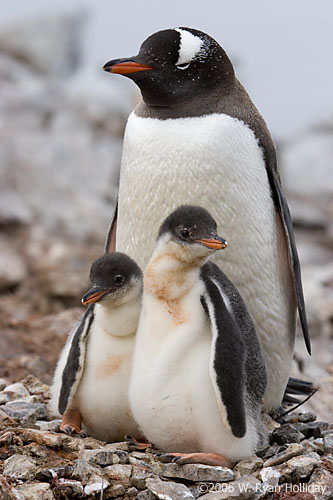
189, 48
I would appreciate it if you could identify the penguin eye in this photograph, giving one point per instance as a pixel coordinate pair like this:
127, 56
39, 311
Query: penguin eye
119, 279
185, 233
183, 66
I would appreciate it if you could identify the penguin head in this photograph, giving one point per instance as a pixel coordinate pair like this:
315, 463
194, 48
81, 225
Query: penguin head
190, 233
174, 66
115, 279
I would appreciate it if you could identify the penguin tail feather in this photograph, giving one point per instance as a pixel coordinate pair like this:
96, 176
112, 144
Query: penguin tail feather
295, 387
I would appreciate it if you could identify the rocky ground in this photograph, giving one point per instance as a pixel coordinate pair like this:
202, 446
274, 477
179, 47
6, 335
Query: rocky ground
39, 462
61, 134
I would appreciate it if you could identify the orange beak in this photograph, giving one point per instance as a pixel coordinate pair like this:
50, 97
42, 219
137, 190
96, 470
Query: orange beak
126, 67
93, 296
214, 244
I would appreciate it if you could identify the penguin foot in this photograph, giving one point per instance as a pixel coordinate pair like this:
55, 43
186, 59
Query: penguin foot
135, 445
69, 430
196, 458
71, 422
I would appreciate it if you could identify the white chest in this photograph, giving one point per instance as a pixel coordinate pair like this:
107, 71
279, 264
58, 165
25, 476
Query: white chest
168, 355
213, 161
102, 395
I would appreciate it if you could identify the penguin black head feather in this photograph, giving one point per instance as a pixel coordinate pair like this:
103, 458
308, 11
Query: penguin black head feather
175, 65
112, 276
190, 224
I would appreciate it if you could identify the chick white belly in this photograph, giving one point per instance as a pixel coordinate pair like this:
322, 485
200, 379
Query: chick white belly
214, 161
171, 393
102, 396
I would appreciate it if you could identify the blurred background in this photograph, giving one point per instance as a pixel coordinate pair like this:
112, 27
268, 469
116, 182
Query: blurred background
61, 126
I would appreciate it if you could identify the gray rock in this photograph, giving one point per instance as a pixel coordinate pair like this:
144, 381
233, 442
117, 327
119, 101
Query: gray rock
116, 490
53, 425
105, 458
328, 442
165, 490
19, 467
298, 468
26, 412
248, 466
194, 472
245, 488
16, 391
5, 398
269, 451
84, 471
7, 438
46, 438
96, 484
293, 450
118, 472
68, 488
36, 491
270, 475
315, 429
35, 386
139, 477
132, 492
313, 445
146, 495
287, 434
307, 417
321, 484
7, 491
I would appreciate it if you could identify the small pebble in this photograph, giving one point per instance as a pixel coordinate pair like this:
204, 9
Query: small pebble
315, 429
307, 417
287, 434
328, 443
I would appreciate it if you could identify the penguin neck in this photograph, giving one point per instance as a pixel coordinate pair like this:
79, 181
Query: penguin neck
171, 272
199, 105
119, 320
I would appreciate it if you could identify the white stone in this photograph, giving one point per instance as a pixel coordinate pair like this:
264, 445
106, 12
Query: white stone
19, 467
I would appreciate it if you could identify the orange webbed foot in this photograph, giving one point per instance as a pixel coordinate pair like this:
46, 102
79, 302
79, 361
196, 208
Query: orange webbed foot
71, 423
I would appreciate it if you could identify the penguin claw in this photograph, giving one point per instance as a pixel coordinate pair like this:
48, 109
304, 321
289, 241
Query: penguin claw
135, 445
68, 429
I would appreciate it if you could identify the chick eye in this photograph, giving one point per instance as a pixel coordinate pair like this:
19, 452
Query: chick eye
183, 66
185, 233
119, 279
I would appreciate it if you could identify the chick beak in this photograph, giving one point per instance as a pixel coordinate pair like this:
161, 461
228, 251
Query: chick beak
216, 243
125, 66
95, 294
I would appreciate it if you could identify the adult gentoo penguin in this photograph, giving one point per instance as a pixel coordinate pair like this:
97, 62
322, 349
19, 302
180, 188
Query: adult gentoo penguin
197, 363
196, 137
92, 376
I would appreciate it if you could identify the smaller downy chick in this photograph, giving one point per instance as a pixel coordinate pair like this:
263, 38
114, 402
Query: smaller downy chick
93, 372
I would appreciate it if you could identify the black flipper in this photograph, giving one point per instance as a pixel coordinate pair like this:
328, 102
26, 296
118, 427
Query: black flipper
110, 244
227, 357
237, 368
73, 369
283, 209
